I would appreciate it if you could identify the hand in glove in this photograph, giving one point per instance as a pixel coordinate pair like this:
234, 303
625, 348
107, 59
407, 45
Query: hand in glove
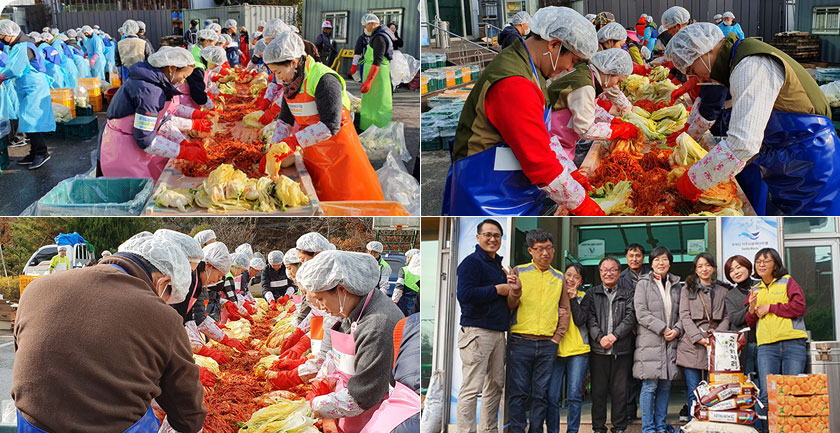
689, 86
319, 388
672, 138
283, 380
193, 152
216, 354
298, 349
686, 187
640, 69
292, 339
201, 114
353, 69
589, 208
250, 307
206, 377
606, 105
582, 180
233, 312
369, 79
202, 125
293, 309
221, 326
292, 142
272, 305
262, 104
270, 114
623, 130
234, 343
287, 364
283, 299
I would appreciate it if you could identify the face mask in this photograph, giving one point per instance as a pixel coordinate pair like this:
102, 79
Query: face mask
553, 62
162, 291
708, 66
341, 303
368, 32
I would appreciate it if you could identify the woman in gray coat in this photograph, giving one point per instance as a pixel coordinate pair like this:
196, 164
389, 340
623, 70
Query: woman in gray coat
702, 309
657, 303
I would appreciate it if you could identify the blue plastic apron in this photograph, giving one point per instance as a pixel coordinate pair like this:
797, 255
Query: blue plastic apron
484, 184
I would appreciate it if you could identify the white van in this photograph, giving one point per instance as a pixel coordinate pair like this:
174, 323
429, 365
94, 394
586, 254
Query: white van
39, 263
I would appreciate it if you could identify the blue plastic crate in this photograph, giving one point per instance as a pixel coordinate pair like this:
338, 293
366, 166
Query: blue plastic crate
82, 128
80, 196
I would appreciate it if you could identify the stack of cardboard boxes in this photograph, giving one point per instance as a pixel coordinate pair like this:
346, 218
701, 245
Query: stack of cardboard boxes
798, 403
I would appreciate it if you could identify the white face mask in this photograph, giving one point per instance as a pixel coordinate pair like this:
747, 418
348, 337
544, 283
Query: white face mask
554, 64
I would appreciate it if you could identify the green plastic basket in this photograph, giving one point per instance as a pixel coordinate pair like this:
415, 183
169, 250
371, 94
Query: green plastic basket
81, 196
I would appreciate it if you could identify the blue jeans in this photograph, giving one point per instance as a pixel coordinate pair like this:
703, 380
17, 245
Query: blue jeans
406, 302
784, 357
654, 403
575, 369
529, 371
693, 377
748, 359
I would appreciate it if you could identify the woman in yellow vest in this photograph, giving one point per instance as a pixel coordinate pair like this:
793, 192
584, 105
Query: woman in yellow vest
572, 355
315, 116
777, 313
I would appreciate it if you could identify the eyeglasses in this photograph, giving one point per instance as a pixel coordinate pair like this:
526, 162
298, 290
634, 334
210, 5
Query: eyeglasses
488, 235
764, 262
609, 271
542, 250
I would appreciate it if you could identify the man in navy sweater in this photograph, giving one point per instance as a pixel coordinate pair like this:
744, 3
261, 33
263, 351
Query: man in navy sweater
483, 287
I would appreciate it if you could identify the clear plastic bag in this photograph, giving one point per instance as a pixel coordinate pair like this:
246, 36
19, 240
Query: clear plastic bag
81, 95
398, 185
61, 113
378, 142
413, 66
431, 419
399, 70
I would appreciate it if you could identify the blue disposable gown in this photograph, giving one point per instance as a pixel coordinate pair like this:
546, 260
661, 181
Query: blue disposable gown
95, 49
53, 64
81, 62
110, 46
32, 88
71, 72
8, 96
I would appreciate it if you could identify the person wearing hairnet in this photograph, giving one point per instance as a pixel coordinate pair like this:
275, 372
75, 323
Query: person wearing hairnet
730, 26
206, 38
82, 65
344, 284
117, 314
275, 281
315, 101
60, 262
230, 29
291, 261
718, 18
590, 17
503, 158
231, 50
602, 19
647, 33
517, 29
131, 49
232, 305
581, 102
52, 62
270, 99
374, 248
325, 44
240, 263
142, 133
71, 72
110, 53
408, 278
95, 50
377, 106
216, 27
674, 19
205, 237
614, 35
780, 122
308, 246
26, 71
213, 59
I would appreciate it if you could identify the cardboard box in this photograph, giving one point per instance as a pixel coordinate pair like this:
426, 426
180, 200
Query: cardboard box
798, 424
8, 317
791, 405
721, 378
803, 384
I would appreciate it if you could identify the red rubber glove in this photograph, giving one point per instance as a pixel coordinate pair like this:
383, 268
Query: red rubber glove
606, 105
623, 130
353, 69
582, 180
589, 208
193, 152
249, 307
202, 125
689, 85
270, 114
201, 114
293, 309
220, 325
234, 343
672, 139
262, 104
640, 69
292, 141
206, 377
232, 310
687, 188
369, 79
272, 305
319, 388
286, 380
292, 340
297, 350
216, 354
287, 364
284, 299
224, 72
616, 121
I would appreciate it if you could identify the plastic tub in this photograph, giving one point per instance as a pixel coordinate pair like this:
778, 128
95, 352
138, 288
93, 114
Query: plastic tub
363, 208
93, 85
96, 102
79, 196
64, 97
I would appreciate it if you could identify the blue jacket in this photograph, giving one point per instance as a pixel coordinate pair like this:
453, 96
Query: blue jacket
481, 306
729, 29
508, 35
144, 93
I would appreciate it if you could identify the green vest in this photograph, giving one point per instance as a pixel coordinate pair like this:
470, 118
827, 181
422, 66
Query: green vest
558, 91
196, 52
475, 133
799, 93
314, 71
382, 264
411, 281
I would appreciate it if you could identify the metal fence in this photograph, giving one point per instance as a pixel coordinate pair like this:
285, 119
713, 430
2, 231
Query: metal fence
158, 22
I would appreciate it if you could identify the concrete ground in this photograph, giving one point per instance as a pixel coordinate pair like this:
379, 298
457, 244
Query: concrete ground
434, 165
7, 359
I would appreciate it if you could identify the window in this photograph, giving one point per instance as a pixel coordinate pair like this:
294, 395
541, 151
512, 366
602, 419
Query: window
826, 21
388, 16
338, 20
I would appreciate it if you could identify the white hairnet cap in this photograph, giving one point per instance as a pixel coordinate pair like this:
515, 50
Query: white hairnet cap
240, 260
294, 28
717, 17
257, 263
226, 39
333, 247
106, 253
645, 52
312, 242
692, 42
521, 17
259, 49
70, 33
62, 37
217, 256
63, 248
143, 234
87, 29
326, 25
141, 24
261, 24
96, 26
675, 15
276, 257
215, 27
285, 47
613, 61
411, 253
46, 36
274, 28
590, 17
648, 18
207, 35
230, 23
612, 32
375, 246
171, 56
54, 31
291, 257
167, 258
130, 28
369, 18
246, 249
358, 273
191, 247
728, 14
576, 32
205, 236
213, 54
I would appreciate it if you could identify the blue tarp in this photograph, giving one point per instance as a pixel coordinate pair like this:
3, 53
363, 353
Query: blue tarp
69, 239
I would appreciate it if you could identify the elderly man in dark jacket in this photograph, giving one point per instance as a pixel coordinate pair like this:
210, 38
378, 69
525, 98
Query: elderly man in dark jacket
611, 324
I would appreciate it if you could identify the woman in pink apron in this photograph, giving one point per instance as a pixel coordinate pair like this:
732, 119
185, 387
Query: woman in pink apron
130, 144
578, 100
344, 285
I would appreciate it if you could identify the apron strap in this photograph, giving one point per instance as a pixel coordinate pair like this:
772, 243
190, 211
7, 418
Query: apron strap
734, 49
353, 326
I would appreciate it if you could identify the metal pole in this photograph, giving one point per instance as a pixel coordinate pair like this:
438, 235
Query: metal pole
437, 9
464, 18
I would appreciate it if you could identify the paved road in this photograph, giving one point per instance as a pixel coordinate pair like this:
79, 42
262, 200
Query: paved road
7, 359
434, 166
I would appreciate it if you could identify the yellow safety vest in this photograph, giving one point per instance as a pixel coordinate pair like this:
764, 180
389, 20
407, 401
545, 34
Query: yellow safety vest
541, 291
575, 342
772, 328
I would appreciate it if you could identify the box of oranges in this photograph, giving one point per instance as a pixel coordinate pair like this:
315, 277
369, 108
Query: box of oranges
803, 384
792, 405
798, 403
799, 424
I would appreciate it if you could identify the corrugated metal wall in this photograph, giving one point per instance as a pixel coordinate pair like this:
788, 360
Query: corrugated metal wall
158, 22
829, 44
757, 17
245, 15
410, 33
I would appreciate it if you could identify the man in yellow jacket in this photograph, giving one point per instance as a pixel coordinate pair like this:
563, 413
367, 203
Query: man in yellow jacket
60, 262
540, 319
